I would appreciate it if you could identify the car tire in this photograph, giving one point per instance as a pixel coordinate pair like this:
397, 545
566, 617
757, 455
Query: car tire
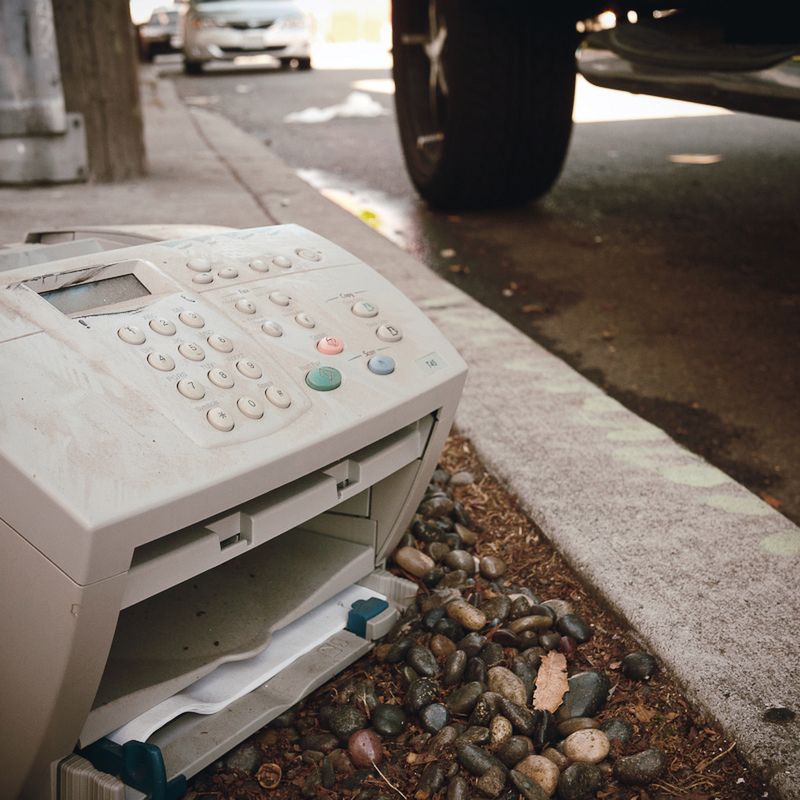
296, 63
484, 109
192, 67
304, 64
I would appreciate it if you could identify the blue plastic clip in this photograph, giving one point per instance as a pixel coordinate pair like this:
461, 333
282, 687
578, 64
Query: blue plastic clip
139, 765
361, 611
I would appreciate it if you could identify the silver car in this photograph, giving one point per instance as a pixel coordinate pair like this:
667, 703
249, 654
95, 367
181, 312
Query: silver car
222, 30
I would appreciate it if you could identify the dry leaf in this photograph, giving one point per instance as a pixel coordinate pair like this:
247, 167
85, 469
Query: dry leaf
770, 500
644, 715
551, 682
533, 308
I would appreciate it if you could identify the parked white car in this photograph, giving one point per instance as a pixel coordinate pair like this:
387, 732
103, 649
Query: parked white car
222, 30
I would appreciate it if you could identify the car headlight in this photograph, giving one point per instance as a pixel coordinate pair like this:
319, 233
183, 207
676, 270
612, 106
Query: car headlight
295, 22
206, 22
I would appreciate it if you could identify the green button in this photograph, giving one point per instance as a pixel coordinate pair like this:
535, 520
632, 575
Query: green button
324, 379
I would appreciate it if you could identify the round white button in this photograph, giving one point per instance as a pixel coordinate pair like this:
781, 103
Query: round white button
131, 334
246, 306
303, 319
163, 326
309, 255
363, 308
280, 298
282, 261
259, 265
220, 419
250, 408
191, 319
203, 277
220, 343
272, 328
191, 351
249, 368
229, 272
199, 265
278, 397
161, 361
191, 389
389, 333
219, 377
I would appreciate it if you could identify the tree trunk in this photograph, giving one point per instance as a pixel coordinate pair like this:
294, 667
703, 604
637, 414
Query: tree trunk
99, 72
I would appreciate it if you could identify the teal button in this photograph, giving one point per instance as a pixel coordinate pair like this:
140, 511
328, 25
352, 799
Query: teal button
324, 379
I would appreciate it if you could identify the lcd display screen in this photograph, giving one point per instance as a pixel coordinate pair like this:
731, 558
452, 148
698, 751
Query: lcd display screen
83, 296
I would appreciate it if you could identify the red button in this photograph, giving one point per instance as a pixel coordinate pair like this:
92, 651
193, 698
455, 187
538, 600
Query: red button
330, 345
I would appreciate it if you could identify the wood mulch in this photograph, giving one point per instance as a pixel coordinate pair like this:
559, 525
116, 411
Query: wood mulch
703, 763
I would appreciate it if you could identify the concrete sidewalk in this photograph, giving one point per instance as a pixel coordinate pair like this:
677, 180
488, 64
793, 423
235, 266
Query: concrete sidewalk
704, 571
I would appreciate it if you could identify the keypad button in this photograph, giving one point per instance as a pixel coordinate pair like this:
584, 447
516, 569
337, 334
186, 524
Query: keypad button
324, 379
220, 377
199, 264
250, 408
131, 334
305, 320
191, 319
278, 397
280, 298
246, 306
381, 365
163, 326
309, 255
272, 328
191, 351
220, 419
389, 333
161, 361
259, 265
249, 368
221, 344
330, 346
228, 273
203, 277
363, 308
191, 389
282, 262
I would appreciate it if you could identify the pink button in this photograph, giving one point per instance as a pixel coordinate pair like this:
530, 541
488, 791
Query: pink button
330, 345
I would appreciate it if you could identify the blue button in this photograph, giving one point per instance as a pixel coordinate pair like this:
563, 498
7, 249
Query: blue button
381, 365
324, 379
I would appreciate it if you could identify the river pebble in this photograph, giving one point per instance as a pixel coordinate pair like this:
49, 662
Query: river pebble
365, 748
466, 615
389, 720
638, 666
641, 768
579, 782
587, 746
506, 683
413, 561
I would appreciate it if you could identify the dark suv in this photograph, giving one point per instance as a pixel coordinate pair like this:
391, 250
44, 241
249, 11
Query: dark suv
485, 88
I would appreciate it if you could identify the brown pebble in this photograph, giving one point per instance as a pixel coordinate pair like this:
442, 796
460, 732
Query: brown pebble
441, 646
541, 770
413, 561
492, 567
381, 651
577, 724
500, 731
537, 622
468, 537
492, 782
506, 683
365, 748
557, 757
466, 615
589, 746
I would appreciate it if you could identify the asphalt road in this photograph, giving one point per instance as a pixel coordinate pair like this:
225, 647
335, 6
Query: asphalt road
664, 266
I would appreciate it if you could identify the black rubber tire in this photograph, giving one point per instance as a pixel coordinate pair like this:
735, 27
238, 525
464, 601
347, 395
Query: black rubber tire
300, 64
304, 64
507, 116
192, 67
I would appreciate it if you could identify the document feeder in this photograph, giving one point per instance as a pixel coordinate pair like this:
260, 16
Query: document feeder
202, 440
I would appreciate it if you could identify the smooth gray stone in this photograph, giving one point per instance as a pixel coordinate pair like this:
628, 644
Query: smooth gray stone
520, 606
460, 559
493, 781
246, 759
422, 660
320, 742
505, 638
638, 666
389, 720
422, 693
346, 720
475, 734
434, 717
463, 700
444, 739
432, 779
472, 644
398, 650
492, 655
476, 670
588, 692
560, 607
579, 782
523, 671
458, 788
454, 667
475, 759
617, 730
522, 719
449, 628
497, 608
485, 709
514, 750
575, 626
435, 506
641, 768
526, 787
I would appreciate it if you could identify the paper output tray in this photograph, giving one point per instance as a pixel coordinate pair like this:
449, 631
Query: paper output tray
167, 642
